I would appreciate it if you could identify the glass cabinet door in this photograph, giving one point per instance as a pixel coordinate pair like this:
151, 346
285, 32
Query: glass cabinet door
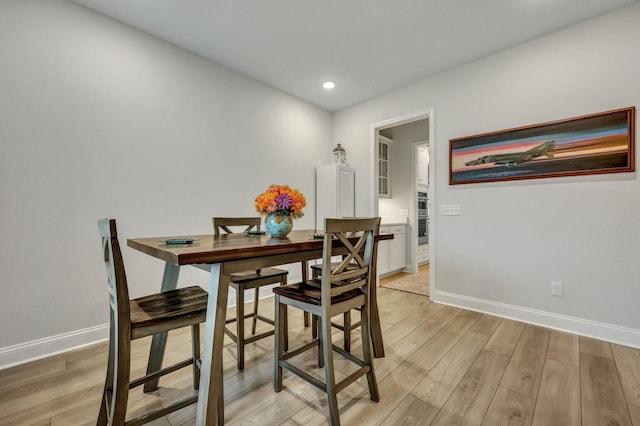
384, 170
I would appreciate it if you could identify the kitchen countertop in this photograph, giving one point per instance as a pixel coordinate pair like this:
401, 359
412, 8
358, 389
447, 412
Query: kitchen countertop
386, 221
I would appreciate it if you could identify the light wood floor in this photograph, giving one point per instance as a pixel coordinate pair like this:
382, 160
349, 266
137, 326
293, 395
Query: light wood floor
422, 270
443, 366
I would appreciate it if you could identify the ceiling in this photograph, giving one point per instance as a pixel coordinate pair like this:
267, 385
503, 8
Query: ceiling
368, 47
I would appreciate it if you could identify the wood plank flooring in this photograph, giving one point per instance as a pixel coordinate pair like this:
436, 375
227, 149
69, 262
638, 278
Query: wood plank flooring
443, 366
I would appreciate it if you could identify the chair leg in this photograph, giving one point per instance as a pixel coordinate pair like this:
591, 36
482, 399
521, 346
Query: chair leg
314, 327
327, 350
318, 335
286, 318
279, 311
305, 276
195, 345
113, 408
347, 331
366, 353
254, 321
220, 419
240, 326
285, 334
121, 375
103, 416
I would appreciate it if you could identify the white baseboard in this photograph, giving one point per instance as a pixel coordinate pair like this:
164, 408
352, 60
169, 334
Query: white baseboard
597, 330
30, 351
22, 353
37, 349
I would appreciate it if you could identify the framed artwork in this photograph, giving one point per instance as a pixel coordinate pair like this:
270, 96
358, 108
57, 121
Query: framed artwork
591, 144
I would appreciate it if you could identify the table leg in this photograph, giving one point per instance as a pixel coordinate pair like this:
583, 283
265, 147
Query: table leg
159, 341
210, 409
305, 277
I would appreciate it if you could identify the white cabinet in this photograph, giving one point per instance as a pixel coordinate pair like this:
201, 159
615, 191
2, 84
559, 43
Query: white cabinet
422, 168
392, 254
335, 192
384, 167
423, 253
398, 248
383, 254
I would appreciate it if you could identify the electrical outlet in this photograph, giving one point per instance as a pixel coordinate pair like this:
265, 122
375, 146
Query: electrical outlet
556, 288
404, 212
450, 210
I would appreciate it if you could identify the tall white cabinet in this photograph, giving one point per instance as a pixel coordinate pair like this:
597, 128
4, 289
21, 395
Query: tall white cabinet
335, 192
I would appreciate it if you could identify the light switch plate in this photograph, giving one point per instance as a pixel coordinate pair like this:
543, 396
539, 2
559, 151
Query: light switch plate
450, 210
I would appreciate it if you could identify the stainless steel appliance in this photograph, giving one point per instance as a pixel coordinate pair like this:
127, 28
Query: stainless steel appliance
423, 218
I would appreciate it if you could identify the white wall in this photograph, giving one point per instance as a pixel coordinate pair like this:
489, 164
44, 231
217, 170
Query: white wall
514, 238
98, 119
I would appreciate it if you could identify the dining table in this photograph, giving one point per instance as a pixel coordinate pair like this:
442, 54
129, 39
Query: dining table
222, 255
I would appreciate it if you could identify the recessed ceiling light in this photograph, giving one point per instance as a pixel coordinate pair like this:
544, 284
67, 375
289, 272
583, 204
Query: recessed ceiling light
328, 85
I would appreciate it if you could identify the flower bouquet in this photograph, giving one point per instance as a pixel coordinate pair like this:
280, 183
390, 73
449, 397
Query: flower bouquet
279, 204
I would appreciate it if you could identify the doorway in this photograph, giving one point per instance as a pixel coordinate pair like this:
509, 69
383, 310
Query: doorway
404, 178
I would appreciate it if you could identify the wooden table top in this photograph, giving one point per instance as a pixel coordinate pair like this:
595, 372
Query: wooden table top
220, 248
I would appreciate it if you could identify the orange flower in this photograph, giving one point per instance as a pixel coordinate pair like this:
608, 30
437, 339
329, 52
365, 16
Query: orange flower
281, 199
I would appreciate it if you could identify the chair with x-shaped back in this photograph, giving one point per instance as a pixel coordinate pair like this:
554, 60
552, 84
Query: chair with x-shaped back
247, 280
337, 290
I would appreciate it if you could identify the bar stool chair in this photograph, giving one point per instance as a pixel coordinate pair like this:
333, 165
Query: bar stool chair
247, 280
336, 291
137, 318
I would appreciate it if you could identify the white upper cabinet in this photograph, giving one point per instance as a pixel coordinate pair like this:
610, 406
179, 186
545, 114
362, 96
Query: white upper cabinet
384, 167
422, 168
335, 192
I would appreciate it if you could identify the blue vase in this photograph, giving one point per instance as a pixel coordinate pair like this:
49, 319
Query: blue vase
277, 225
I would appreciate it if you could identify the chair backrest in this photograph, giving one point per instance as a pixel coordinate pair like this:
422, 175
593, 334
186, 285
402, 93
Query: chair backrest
354, 239
116, 277
223, 223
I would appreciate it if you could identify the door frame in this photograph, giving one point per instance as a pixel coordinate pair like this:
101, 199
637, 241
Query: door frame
428, 114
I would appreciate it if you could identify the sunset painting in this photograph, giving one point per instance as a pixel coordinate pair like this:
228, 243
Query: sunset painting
598, 143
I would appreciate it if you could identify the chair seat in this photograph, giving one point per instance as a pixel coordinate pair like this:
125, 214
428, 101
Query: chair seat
246, 276
309, 292
160, 312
